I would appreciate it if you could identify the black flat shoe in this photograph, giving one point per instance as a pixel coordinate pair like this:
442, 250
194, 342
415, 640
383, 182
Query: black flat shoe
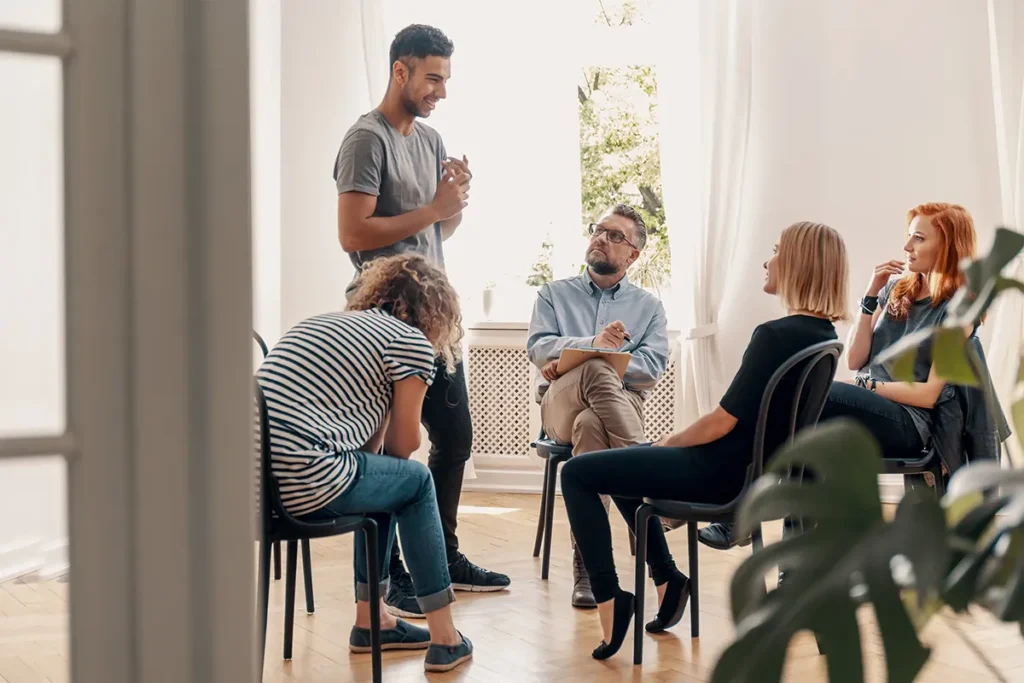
677, 594
620, 626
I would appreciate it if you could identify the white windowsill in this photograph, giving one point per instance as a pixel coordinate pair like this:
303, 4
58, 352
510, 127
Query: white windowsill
506, 325
497, 325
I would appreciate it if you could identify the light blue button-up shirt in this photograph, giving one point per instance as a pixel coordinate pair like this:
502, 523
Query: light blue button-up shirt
569, 313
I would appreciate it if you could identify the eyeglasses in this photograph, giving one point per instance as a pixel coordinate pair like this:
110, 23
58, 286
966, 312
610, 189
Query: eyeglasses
613, 236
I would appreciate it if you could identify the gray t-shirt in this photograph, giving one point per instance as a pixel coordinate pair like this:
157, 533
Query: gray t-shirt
402, 171
888, 331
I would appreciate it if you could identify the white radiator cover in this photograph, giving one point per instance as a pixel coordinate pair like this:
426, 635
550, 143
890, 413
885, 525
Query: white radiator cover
506, 418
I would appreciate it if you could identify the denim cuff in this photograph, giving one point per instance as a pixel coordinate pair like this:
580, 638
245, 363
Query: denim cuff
435, 601
363, 590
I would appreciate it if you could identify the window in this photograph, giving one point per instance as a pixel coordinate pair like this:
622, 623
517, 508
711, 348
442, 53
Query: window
618, 133
560, 116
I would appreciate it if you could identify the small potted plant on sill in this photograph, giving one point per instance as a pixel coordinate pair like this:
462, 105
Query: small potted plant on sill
487, 300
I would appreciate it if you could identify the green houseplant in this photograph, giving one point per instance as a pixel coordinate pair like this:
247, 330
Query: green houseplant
966, 549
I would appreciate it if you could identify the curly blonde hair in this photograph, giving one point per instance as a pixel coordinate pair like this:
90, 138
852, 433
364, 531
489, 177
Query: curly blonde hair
418, 294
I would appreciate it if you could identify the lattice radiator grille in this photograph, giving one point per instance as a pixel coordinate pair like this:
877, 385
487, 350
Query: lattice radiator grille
499, 400
501, 395
660, 406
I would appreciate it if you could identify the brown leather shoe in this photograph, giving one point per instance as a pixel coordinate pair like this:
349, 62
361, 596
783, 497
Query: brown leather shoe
582, 595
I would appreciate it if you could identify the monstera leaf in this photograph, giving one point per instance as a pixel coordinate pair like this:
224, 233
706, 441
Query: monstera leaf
846, 558
988, 541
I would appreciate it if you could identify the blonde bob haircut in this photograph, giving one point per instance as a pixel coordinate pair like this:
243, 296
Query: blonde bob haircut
812, 270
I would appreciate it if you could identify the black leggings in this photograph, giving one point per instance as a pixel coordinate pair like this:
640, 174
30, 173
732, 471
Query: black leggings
889, 422
712, 473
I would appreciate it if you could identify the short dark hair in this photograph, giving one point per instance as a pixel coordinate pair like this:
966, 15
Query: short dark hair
419, 41
627, 211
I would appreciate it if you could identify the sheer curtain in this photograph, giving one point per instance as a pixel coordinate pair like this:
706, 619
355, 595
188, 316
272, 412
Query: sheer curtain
705, 100
1008, 107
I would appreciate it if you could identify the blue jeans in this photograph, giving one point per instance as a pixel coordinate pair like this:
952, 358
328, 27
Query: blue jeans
404, 490
889, 422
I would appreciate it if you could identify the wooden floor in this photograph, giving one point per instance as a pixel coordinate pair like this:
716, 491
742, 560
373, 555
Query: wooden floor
529, 633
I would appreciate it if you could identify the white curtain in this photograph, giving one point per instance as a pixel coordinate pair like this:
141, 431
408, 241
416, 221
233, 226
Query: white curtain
1008, 108
705, 100
376, 43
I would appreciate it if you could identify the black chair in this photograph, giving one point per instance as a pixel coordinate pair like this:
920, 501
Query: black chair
277, 524
929, 461
816, 366
307, 561
554, 455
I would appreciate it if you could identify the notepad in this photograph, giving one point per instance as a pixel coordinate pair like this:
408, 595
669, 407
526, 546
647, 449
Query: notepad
571, 358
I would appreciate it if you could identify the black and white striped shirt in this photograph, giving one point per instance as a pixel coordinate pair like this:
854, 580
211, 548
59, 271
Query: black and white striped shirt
329, 382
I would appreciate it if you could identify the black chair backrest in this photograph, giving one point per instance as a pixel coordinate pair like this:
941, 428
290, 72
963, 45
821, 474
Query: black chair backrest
259, 340
816, 367
266, 486
271, 509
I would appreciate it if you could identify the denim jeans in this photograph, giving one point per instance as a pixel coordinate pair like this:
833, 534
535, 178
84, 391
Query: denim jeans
404, 490
711, 473
888, 421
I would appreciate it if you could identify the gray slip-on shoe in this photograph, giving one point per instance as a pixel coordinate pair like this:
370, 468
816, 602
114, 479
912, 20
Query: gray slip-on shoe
404, 636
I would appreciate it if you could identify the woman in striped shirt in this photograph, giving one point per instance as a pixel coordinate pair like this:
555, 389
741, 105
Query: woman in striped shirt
341, 389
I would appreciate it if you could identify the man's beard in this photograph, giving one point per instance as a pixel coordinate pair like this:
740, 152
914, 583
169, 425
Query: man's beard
601, 265
410, 106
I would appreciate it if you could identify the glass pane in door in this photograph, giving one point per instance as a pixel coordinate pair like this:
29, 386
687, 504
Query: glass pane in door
31, 15
32, 395
33, 570
33, 499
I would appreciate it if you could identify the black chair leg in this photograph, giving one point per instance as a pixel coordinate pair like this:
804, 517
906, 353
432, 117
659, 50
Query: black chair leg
543, 509
549, 515
291, 565
691, 543
940, 484
757, 541
277, 560
643, 517
263, 597
373, 573
632, 543
307, 574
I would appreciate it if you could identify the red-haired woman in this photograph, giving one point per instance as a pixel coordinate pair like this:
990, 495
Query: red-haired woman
904, 297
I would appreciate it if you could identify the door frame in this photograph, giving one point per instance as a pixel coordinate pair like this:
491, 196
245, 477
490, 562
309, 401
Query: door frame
158, 308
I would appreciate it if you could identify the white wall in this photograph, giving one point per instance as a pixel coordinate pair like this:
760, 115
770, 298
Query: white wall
323, 91
33, 508
265, 104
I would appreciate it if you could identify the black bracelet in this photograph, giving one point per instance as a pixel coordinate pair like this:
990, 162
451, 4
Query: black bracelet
868, 305
874, 385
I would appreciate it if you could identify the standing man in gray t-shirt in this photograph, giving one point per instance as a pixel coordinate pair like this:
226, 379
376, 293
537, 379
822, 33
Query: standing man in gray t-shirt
398, 191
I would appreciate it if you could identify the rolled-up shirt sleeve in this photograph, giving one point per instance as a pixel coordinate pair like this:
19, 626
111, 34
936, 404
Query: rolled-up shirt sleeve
544, 342
650, 356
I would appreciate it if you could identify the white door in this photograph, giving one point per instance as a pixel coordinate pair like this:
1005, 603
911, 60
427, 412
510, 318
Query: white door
153, 254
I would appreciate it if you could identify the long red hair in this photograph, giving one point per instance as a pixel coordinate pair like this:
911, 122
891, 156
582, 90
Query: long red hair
957, 241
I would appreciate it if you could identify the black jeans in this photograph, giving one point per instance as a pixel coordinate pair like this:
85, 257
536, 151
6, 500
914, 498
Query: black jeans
712, 473
889, 422
450, 429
